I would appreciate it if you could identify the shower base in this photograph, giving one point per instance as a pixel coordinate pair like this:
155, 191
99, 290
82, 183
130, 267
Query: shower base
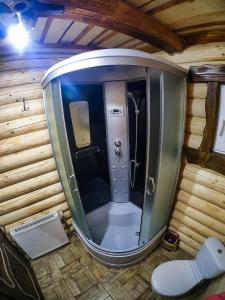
115, 231
119, 258
115, 226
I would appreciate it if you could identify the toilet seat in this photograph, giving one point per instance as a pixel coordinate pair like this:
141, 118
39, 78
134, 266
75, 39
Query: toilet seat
175, 278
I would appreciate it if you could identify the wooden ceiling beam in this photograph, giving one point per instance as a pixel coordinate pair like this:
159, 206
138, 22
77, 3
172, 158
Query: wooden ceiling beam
205, 37
166, 5
122, 17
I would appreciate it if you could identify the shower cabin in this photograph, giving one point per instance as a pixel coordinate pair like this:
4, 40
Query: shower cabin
116, 121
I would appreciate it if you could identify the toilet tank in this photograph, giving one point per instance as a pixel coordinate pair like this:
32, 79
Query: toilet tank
211, 258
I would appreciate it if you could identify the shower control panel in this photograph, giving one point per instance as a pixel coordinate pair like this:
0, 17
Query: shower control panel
117, 111
117, 139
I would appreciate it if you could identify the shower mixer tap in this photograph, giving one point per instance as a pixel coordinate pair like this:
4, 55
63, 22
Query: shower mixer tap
118, 143
118, 151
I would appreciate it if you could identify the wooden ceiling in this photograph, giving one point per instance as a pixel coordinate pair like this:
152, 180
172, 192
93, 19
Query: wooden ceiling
192, 21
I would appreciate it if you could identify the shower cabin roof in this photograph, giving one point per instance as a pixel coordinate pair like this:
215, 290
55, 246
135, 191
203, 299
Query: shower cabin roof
110, 57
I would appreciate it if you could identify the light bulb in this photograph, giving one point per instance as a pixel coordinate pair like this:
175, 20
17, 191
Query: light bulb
18, 36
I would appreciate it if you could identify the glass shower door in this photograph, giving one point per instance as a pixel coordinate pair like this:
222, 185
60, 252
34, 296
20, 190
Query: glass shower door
57, 130
153, 92
166, 119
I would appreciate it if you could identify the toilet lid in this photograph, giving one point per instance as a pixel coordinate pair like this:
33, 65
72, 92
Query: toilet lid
173, 278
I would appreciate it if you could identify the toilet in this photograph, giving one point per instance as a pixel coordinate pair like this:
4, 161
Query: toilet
175, 278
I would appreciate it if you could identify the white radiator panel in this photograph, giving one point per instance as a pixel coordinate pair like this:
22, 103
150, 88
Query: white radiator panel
40, 236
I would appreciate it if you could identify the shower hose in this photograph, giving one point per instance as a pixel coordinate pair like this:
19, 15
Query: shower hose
133, 162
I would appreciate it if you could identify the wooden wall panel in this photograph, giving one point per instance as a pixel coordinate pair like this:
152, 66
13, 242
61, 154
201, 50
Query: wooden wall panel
196, 115
199, 208
29, 182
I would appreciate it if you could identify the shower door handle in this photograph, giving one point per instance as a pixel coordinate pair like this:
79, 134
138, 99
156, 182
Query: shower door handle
72, 178
150, 189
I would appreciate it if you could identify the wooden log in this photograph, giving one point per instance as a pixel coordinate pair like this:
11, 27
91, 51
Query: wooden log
205, 177
22, 126
195, 125
198, 53
215, 35
191, 64
196, 107
17, 93
192, 140
43, 63
207, 73
27, 172
202, 206
23, 142
28, 185
69, 221
14, 78
186, 239
13, 90
15, 111
197, 90
188, 249
196, 225
67, 214
203, 192
31, 209
38, 51
185, 12
30, 198
25, 157
187, 231
201, 217
61, 207
31, 74
194, 20
70, 230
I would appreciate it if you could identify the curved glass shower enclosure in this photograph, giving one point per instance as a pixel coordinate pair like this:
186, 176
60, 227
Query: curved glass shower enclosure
116, 121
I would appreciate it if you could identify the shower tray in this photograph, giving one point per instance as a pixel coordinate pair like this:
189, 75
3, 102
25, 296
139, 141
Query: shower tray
115, 226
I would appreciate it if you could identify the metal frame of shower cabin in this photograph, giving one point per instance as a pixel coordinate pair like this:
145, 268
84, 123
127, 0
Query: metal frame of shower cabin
52, 90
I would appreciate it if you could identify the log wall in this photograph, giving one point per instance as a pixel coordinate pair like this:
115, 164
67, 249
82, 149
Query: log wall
29, 182
196, 116
199, 208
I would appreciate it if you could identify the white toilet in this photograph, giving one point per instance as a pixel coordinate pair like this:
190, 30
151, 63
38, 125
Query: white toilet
175, 278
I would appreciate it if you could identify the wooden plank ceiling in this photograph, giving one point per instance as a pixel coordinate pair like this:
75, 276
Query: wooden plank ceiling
194, 21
